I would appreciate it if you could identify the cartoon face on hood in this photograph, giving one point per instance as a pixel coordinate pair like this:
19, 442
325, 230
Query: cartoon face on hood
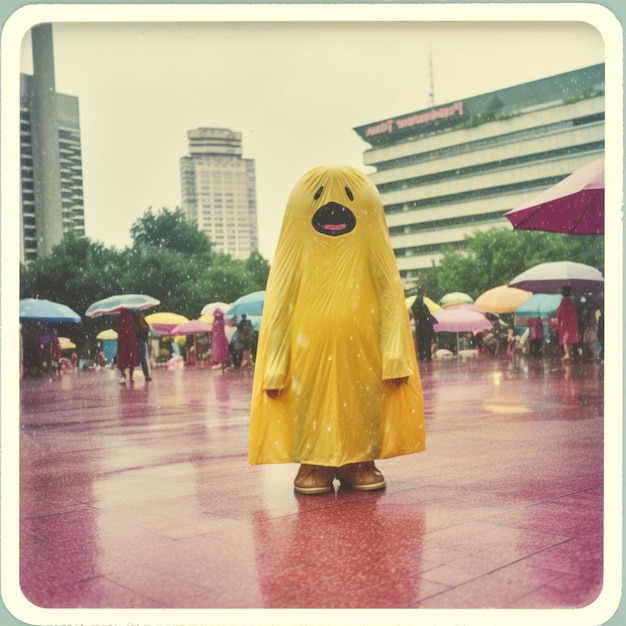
334, 201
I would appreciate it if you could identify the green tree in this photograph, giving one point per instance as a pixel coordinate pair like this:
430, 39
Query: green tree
258, 269
494, 257
169, 259
169, 230
76, 273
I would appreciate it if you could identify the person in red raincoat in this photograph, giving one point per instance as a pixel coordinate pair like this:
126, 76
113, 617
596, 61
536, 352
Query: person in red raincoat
220, 350
127, 353
567, 324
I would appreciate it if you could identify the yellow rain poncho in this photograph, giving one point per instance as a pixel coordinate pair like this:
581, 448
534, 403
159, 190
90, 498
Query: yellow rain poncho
335, 332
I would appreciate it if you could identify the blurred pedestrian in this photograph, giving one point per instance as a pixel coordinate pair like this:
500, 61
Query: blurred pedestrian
589, 327
424, 328
567, 321
220, 350
127, 352
143, 335
32, 351
246, 343
535, 336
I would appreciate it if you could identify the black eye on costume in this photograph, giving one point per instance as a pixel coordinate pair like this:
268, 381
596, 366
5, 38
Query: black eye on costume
318, 193
349, 193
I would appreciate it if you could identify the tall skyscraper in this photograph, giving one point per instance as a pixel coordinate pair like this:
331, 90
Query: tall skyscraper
51, 159
453, 169
218, 188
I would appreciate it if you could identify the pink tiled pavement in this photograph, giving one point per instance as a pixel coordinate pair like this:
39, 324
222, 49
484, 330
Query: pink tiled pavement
141, 497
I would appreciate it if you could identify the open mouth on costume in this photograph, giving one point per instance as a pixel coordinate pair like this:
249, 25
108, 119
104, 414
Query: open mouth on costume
333, 219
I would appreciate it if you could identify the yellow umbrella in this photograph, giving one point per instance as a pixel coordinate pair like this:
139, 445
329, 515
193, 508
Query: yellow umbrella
432, 306
66, 343
502, 299
109, 333
165, 322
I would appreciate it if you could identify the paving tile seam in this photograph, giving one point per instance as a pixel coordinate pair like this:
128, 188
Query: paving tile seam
168, 463
125, 587
582, 574
424, 575
549, 586
568, 495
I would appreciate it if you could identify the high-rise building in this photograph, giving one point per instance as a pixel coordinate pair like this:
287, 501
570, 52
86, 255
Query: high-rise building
455, 168
219, 190
71, 171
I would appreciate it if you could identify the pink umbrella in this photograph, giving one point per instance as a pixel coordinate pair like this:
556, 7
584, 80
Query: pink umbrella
466, 306
574, 206
192, 327
457, 321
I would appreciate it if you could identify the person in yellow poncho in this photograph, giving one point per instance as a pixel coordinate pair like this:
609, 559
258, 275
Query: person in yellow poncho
336, 383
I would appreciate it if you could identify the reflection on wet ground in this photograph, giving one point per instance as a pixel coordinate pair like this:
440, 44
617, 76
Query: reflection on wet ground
141, 497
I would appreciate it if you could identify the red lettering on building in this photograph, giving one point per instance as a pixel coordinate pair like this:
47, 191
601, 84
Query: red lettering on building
417, 119
378, 129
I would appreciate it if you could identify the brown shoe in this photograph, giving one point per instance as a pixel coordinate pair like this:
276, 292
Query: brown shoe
314, 479
362, 476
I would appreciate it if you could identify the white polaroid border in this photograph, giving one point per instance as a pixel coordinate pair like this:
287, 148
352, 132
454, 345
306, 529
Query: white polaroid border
15, 28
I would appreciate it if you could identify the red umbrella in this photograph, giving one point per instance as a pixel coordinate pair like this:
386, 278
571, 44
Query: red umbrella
574, 206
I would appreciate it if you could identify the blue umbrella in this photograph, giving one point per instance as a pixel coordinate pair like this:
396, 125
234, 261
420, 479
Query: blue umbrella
35, 310
541, 305
250, 304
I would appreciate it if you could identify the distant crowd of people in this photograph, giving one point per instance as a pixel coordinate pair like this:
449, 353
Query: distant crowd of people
42, 352
575, 332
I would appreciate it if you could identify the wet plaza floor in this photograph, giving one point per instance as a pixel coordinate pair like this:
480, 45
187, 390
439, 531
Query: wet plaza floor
140, 497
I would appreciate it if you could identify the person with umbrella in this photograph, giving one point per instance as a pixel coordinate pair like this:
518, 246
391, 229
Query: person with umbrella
143, 334
567, 323
127, 351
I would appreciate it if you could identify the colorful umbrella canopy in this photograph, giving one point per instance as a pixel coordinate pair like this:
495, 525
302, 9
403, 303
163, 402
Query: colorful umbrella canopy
502, 299
464, 306
541, 305
430, 304
250, 304
66, 343
455, 297
114, 304
460, 321
552, 277
192, 327
36, 310
107, 334
165, 322
575, 205
209, 309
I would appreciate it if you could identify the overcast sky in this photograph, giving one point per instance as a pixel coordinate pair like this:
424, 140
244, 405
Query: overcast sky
295, 90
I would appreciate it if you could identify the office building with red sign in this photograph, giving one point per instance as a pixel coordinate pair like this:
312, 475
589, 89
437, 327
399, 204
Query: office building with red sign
456, 168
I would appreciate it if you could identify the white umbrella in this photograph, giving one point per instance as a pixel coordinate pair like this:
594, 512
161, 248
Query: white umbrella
552, 277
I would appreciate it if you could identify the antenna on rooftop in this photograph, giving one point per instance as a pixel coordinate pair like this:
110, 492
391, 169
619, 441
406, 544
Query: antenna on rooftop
431, 93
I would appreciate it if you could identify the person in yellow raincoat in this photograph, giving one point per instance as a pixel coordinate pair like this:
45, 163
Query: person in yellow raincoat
336, 383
